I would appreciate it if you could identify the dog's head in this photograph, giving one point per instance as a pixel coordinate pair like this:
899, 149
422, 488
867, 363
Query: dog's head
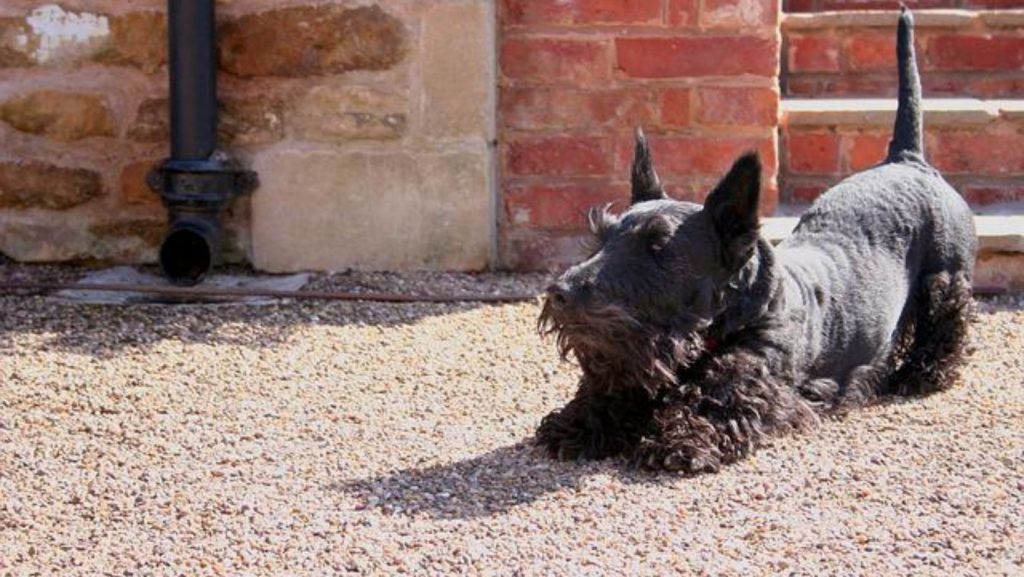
659, 272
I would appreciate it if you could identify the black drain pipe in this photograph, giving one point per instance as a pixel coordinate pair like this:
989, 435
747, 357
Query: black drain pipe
196, 183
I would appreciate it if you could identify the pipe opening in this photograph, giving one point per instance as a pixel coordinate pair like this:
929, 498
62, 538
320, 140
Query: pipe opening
186, 256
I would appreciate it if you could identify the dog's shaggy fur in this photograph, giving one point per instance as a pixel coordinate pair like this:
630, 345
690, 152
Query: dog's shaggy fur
698, 340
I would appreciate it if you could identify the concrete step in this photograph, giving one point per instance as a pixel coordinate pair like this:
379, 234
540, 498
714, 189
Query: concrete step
872, 112
1000, 266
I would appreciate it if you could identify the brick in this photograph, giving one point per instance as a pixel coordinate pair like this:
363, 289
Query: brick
795, 6
683, 57
733, 14
738, 106
553, 60
985, 195
827, 5
559, 156
989, 153
682, 13
992, 4
558, 207
527, 250
975, 53
866, 150
697, 157
675, 107
539, 108
813, 53
866, 52
812, 152
991, 87
769, 197
806, 194
531, 12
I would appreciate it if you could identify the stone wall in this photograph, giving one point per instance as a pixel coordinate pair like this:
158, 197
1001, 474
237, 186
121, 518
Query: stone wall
370, 124
466, 134
576, 77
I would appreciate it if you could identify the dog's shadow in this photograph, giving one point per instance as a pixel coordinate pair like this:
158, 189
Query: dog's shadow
486, 485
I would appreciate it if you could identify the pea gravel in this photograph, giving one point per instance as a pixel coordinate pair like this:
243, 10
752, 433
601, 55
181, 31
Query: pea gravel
313, 438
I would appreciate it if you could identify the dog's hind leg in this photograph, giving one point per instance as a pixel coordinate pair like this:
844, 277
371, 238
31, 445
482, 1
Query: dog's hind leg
943, 310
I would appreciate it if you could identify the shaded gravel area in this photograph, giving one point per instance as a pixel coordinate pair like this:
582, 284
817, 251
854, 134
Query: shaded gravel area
316, 438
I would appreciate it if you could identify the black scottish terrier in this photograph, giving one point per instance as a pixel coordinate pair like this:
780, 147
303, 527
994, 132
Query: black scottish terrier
698, 340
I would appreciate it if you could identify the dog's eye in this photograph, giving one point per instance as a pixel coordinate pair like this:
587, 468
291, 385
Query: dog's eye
655, 234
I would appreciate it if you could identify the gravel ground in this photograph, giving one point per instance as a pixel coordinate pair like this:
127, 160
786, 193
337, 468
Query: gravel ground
340, 438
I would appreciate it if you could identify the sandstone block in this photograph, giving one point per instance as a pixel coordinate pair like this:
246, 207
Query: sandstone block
59, 115
152, 121
458, 70
330, 210
148, 231
40, 185
245, 121
137, 39
53, 36
312, 40
134, 190
333, 113
39, 241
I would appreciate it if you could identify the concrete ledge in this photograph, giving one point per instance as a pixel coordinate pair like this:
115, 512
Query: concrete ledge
922, 19
1002, 18
884, 19
1011, 109
1003, 234
882, 111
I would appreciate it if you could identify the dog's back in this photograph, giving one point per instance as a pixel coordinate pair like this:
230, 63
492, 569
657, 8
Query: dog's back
871, 245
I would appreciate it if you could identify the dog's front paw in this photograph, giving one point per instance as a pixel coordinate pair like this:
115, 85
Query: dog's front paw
585, 428
679, 456
561, 437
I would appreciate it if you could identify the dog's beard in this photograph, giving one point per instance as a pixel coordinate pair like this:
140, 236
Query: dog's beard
615, 350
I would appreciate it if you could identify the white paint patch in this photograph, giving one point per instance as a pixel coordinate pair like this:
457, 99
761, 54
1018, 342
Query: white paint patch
742, 13
56, 30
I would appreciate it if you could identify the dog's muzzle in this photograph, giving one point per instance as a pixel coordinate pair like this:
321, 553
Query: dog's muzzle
611, 345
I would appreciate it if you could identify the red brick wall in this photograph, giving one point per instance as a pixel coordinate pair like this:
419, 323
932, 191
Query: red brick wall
846, 5
979, 55
576, 77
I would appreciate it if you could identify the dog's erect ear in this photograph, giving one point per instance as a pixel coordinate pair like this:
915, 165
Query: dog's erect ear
732, 207
646, 185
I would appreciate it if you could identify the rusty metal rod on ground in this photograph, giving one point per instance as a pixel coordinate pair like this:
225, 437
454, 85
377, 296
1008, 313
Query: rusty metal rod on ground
178, 291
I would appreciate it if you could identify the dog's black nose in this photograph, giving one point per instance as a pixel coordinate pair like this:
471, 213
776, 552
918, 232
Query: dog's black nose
558, 294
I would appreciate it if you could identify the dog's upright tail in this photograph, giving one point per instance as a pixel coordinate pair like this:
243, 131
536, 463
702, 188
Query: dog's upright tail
907, 134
